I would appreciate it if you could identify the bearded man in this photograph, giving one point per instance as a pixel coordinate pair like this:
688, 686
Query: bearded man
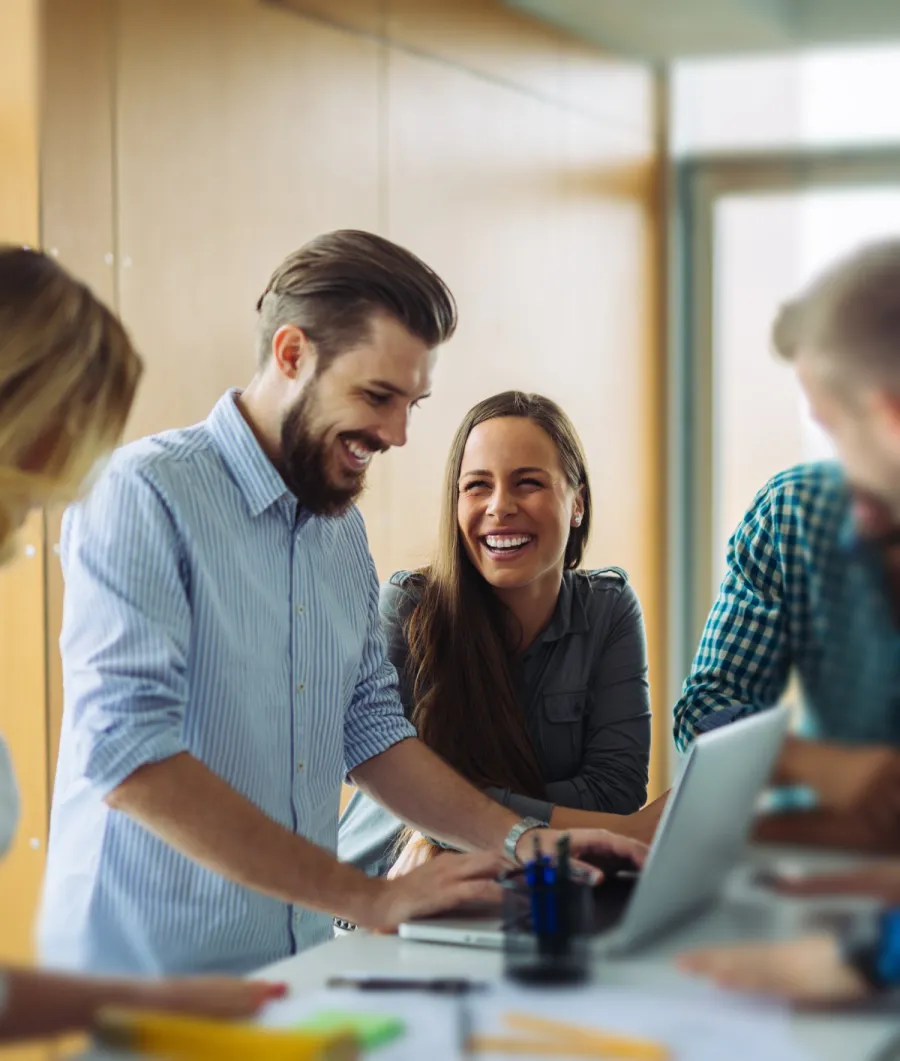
223, 660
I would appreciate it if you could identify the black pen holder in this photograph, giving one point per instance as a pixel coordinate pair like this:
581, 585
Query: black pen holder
546, 930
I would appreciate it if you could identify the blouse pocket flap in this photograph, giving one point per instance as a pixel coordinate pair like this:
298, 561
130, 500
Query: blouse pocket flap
564, 707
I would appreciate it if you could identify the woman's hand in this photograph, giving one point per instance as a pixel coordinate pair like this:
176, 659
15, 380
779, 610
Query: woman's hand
417, 852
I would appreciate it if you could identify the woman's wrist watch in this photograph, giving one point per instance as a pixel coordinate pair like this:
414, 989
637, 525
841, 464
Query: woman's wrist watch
871, 946
516, 833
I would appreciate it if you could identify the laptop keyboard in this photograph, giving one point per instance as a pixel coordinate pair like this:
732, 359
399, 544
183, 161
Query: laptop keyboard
611, 899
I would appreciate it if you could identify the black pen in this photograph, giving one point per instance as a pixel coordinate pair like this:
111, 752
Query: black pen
440, 986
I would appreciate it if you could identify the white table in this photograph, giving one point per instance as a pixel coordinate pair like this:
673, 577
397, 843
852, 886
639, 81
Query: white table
746, 913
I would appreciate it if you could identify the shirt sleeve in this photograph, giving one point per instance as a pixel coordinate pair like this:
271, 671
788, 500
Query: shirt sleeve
368, 831
524, 806
375, 720
395, 605
126, 630
743, 661
616, 755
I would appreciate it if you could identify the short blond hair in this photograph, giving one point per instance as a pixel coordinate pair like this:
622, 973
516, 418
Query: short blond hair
849, 315
68, 375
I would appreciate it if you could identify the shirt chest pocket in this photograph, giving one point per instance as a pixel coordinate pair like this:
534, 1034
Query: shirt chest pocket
562, 733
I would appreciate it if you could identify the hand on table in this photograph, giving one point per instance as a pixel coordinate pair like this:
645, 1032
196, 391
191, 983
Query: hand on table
825, 828
441, 884
593, 849
807, 971
421, 884
863, 782
217, 997
880, 880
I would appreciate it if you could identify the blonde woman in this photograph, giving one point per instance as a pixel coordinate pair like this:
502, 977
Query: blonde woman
68, 375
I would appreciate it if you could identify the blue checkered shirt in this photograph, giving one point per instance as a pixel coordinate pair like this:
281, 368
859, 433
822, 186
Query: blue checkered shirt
800, 594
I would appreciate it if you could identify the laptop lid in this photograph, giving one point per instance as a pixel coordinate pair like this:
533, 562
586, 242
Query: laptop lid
700, 837
703, 830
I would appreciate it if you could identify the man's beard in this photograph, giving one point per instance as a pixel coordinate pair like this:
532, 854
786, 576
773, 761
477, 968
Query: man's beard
305, 457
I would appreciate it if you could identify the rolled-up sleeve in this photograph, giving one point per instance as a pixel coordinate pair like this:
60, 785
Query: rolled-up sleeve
743, 662
375, 720
126, 631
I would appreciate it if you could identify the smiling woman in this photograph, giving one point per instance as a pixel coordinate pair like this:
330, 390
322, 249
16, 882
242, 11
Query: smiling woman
525, 672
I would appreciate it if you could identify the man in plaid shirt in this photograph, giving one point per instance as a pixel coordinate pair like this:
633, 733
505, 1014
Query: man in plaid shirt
807, 590
813, 583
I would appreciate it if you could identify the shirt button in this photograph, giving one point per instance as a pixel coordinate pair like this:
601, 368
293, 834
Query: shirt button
299, 609
299, 767
300, 687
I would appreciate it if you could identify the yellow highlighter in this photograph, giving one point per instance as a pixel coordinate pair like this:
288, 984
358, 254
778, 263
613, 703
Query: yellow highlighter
193, 1039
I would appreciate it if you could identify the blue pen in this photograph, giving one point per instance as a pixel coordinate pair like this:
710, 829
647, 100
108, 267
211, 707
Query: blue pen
533, 880
551, 905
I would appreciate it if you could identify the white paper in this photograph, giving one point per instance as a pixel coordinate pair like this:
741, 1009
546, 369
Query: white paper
695, 1025
701, 1024
434, 1024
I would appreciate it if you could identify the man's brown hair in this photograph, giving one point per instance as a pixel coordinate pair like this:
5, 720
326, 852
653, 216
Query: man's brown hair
849, 315
334, 284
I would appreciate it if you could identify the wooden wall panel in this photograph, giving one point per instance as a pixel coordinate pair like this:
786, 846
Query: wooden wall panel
23, 720
484, 36
243, 130
19, 115
610, 325
23, 659
23, 723
366, 16
77, 168
77, 214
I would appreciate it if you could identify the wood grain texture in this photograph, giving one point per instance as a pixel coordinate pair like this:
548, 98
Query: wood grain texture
77, 215
366, 16
22, 634
273, 138
23, 657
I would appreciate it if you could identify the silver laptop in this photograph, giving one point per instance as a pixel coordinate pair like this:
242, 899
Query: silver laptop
700, 837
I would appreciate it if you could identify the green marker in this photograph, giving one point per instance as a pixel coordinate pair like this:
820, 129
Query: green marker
371, 1029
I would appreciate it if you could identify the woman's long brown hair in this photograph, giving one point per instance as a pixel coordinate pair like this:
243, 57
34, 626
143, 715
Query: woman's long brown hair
466, 707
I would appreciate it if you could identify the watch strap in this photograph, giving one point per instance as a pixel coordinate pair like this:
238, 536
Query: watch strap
516, 833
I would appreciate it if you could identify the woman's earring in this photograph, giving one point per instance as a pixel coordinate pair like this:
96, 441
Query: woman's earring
577, 521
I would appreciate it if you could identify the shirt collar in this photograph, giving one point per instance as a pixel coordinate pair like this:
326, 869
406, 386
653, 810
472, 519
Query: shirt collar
570, 615
250, 468
848, 539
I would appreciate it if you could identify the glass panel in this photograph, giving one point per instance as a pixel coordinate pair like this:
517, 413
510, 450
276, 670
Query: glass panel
766, 247
818, 98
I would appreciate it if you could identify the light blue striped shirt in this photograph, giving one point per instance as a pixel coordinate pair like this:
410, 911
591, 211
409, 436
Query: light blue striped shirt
205, 613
